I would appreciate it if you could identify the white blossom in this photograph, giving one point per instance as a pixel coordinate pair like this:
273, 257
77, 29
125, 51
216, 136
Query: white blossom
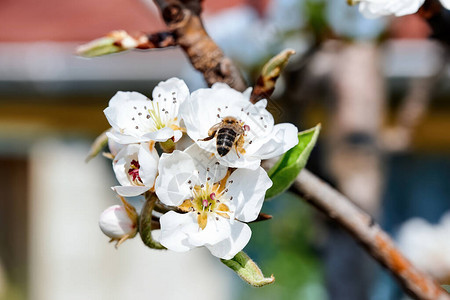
136, 118
446, 3
215, 202
377, 8
135, 167
261, 139
427, 246
118, 223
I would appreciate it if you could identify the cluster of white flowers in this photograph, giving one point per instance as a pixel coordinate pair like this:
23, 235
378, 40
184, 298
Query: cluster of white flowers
428, 246
216, 185
377, 8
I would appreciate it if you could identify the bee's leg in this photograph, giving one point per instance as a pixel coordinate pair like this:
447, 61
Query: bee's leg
207, 138
239, 146
211, 134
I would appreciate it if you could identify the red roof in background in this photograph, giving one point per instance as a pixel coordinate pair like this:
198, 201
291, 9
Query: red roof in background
81, 20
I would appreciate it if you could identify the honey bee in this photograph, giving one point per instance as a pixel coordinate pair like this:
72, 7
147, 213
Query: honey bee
229, 132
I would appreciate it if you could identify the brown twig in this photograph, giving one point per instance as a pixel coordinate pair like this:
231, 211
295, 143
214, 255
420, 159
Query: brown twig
364, 229
183, 19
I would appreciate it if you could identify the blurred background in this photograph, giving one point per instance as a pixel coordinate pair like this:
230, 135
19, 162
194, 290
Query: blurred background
379, 88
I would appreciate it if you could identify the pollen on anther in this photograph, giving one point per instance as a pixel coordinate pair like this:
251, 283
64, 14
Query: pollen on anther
132, 119
202, 186
189, 182
134, 107
148, 116
231, 198
159, 95
218, 115
250, 142
137, 127
209, 178
140, 114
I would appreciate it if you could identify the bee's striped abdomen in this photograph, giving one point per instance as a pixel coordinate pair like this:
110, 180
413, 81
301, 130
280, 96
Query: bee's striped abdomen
225, 140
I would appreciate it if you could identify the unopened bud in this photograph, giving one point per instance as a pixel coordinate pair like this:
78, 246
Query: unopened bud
118, 223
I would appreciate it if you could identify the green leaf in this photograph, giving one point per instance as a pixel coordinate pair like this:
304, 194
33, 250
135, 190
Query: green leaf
248, 270
284, 172
446, 287
97, 146
100, 47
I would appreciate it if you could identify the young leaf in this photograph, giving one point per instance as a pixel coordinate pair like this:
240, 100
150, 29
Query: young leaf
97, 146
284, 172
248, 270
446, 287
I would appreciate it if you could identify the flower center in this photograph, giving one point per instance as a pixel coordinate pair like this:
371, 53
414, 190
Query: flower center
205, 202
133, 171
156, 116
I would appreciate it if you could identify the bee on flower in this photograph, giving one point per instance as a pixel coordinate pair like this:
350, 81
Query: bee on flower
240, 134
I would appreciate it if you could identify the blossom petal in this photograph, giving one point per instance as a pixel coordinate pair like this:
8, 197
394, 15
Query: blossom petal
175, 170
148, 160
232, 160
173, 235
376, 8
113, 146
216, 230
130, 191
173, 89
283, 137
248, 189
446, 3
238, 239
160, 135
206, 164
121, 163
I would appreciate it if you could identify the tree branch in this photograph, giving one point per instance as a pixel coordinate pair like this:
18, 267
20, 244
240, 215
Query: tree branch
364, 229
183, 19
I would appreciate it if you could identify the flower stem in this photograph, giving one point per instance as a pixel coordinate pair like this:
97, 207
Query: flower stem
145, 222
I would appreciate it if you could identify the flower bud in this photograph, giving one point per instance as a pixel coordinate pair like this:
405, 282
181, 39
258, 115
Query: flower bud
118, 223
